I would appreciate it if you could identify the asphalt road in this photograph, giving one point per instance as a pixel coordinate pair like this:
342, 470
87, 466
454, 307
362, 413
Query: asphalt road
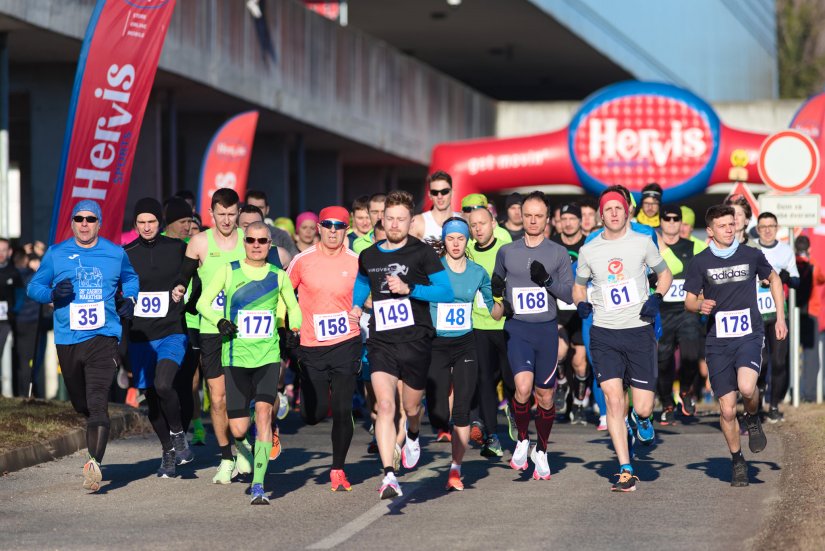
684, 500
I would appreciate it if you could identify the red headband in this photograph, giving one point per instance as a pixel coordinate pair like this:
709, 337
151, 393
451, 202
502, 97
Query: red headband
612, 196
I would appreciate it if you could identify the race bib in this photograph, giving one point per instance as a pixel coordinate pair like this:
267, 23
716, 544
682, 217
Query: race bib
330, 326
454, 316
219, 302
733, 323
152, 305
765, 300
392, 314
86, 316
561, 305
676, 293
4, 310
529, 300
255, 324
620, 296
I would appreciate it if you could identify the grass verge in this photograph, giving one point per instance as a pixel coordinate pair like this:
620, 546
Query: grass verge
25, 422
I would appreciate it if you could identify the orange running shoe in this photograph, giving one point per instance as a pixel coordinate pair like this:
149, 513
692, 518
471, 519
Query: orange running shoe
444, 436
276, 447
454, 481
476, 433
339, 480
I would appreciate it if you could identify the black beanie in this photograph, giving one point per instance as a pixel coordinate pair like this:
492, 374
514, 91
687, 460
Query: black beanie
150, 206
177, 208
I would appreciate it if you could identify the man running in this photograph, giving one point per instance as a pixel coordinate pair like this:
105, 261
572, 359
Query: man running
250, 354
427, 225
513, 222
81, 276
403, 274
157, 339
720, 284
330, 353
622, 339
531, 274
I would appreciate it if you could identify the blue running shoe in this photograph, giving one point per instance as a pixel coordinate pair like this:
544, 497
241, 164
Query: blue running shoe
631, 438
644, 429
258, 495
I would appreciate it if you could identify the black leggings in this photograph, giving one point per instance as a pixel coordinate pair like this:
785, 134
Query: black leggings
89, 368
682, 329
453, 359
493, 365
183, 386
162, 401
779, 364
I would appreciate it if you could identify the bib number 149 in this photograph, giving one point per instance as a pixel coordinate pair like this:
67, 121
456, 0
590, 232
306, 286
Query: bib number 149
392, 314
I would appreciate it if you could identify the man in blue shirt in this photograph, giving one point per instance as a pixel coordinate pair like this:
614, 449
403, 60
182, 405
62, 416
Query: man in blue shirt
81, 276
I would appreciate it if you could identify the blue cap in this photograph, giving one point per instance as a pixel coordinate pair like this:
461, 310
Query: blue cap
455, 226
89, 206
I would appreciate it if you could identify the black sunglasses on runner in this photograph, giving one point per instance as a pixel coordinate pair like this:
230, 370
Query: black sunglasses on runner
471, 209
260, 240
334, 225
437, 192
671, 218
79, 219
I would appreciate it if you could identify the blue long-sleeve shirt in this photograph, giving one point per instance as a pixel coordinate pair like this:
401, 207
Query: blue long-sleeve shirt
455, 318
96, 274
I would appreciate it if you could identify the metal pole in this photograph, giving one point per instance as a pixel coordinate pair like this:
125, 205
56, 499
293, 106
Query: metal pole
301, 172
5, 216
793, 314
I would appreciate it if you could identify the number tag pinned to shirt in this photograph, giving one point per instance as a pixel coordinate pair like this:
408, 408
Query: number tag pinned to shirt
219, 302
733, 323
455, 316
393, 313
330, 326
152, 305
676, 293
620, 296
4, 310
529, 300
255, 324
764, 299
86, 316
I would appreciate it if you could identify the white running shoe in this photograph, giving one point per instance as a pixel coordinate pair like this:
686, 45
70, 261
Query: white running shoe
390, 487
410, 453
602, 422
283, 406
519, 460
542, 468
243, 462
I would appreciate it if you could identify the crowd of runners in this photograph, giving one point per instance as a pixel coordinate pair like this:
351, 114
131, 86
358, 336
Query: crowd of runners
590, 312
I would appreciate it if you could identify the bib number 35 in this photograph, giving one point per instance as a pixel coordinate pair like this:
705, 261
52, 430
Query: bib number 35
88, 316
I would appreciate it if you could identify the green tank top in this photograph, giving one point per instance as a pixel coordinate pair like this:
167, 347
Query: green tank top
251, 305
487, 259
217, 258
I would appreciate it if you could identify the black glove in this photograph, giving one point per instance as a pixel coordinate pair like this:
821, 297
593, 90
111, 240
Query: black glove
63, 290
497, 286
125, 308
227, 328
508, 309
652, 279
765, 284
785, 277
291, 339
584, 309
539, 275
651, 306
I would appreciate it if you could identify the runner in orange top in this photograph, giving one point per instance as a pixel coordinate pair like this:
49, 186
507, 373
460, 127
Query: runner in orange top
330, 346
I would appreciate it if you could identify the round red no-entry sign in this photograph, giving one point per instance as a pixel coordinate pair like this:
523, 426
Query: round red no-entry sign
788, 161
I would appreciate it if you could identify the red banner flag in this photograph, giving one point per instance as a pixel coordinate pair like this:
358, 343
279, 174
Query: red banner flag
226, 161
115, 73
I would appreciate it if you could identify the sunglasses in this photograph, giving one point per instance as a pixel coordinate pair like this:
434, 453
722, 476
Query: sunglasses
437, 192
671, 218
79, 219
471, 209
334, 225
260, 240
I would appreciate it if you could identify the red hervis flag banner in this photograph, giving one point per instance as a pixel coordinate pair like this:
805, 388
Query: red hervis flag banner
226, 161
115, 73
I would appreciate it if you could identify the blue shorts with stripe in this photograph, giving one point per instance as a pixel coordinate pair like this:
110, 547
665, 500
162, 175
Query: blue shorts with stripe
626, 354
144, 356
534, 347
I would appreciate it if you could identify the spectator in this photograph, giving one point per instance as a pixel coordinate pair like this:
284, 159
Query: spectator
10, 281
808, 301
26, 325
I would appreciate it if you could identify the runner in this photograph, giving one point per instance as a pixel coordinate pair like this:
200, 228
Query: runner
254, 290
513, 223
475, 201
533, 272
454, 364
427, 225
80, 276
403, 274
360, 215
157, 340
622, 339
330, 352
724, 276
651, 201
679, 327
589, 218
208, 252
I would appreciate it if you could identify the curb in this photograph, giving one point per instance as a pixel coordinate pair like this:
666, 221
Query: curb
122, 423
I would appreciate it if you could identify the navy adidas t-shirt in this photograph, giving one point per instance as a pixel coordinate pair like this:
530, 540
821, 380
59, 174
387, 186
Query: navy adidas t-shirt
731, 282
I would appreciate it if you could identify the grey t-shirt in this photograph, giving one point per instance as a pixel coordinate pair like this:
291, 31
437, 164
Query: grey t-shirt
618, 269
529, 301
281, 238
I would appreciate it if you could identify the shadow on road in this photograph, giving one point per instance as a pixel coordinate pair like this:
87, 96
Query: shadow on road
121, 475
720, 468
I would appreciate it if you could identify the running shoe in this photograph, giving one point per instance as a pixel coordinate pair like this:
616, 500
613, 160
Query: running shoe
667, 417
631, 438
198, 433
739, 478
577, 415
275, 453
390, 487
512, 429
562, 391
542, 467
167, 464
626, 482
372, 447
183, 453
226, 471
688, 404
519, 459
339, 480
444, 436
602, 423
396, 458
492, 447
258, 495
283, 406
243, 463
644, 429
92, 475
477, 432
774, 415
410, 453
756, 436
454, 481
